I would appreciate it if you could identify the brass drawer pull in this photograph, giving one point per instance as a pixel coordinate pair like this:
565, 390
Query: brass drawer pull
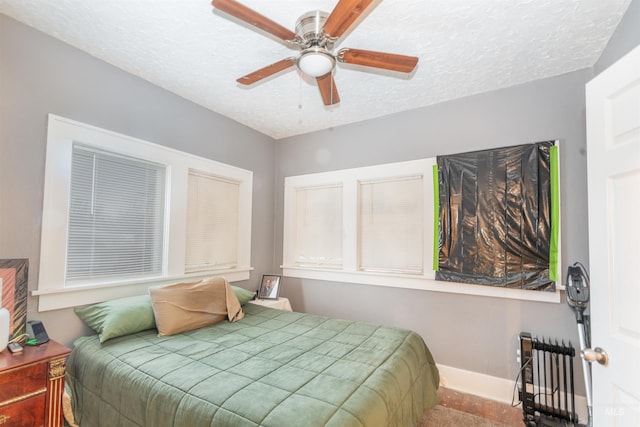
23, 397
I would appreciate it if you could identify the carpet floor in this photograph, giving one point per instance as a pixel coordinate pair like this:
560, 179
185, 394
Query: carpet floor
441, 416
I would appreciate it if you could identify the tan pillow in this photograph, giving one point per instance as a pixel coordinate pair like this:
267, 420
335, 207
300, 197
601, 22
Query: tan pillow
182, 307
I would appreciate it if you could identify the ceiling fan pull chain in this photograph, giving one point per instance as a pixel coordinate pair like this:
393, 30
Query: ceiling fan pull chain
299, 92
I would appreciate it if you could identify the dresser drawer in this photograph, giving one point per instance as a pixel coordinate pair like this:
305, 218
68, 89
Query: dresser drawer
31, 386
22, 381
25, 413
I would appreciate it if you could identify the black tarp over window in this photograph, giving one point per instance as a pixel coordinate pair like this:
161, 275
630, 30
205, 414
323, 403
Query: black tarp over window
494, 217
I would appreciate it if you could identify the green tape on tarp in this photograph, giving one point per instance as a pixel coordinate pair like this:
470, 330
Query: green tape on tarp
436, 218
555, 213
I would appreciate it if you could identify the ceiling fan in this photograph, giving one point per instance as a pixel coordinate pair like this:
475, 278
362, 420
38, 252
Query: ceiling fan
315, 34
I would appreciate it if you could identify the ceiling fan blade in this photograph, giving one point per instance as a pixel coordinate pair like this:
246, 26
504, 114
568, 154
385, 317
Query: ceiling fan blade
343, 16
328, 89
267, 71
252, 17
370, 58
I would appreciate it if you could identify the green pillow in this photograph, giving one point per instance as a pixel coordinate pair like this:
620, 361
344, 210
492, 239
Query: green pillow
124, 316
118, 317
243, 295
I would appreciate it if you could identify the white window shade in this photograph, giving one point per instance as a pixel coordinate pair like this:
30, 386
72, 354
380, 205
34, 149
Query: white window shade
318, 229
391, 225
212, 223
387, 222
129, 225
116, 216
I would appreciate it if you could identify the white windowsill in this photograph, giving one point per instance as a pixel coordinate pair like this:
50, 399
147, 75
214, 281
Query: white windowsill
53, 299
420, 282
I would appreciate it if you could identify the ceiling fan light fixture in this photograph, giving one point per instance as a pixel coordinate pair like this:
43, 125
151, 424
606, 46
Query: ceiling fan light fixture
315, 35
316, 62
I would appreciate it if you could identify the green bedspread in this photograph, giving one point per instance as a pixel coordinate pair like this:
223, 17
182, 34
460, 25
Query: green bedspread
272, 368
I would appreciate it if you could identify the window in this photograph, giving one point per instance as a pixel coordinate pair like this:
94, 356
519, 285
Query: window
318, 229
121, 214
499, 217
212, 226
373, 225
391, 218
361, 225
115, 216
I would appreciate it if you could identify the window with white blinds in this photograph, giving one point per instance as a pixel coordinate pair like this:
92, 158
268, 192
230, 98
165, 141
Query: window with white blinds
318, 228
121, 214
212, 222
370, 225
391, 215
116, 216
379, 221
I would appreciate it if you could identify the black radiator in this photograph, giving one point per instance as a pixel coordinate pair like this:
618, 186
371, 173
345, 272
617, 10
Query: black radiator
547, 392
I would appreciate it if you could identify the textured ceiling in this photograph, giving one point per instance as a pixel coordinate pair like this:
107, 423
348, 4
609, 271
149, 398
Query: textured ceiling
465, 47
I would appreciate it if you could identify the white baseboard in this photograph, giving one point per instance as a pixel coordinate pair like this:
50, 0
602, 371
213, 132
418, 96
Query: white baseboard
492, 388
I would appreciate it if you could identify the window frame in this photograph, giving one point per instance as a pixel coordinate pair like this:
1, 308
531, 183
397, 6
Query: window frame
193, 268
369, 186
61, 135
96, 178
350, 180
295, 257
350, 273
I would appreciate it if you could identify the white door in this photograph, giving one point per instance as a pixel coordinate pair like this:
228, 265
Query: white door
613, 151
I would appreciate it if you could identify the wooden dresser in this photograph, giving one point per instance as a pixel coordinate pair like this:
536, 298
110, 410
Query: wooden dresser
31, 386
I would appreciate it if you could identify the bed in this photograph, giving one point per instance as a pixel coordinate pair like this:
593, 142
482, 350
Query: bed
271, 368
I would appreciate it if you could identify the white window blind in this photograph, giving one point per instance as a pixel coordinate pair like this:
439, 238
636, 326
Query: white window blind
116, 217
391, 231
123, 225
386, 215
212, 222
318, 229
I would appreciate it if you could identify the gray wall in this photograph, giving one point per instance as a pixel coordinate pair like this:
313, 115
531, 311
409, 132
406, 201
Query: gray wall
40, 75
625, 38
467, 332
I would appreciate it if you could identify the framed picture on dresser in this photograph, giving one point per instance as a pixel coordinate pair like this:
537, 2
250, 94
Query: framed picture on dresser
13, 293
270, 287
